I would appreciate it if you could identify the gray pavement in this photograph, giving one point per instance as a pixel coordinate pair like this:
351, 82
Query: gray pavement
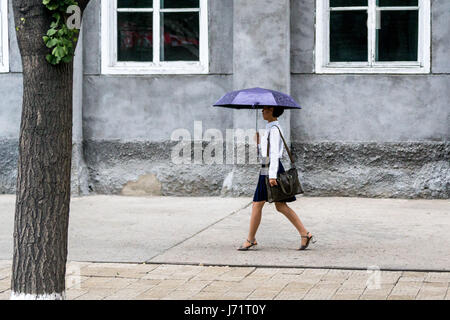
390, 234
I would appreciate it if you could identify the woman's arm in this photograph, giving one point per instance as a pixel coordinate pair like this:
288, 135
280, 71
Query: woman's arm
274, 152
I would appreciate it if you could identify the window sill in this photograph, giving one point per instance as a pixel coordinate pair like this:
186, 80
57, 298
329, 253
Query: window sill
143, 69
373, 70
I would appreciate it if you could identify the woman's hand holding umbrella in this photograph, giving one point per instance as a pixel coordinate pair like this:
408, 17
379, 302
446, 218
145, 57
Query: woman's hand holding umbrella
256, 137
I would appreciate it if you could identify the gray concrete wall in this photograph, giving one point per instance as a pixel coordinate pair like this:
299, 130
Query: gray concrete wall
367, 134
137, 114
357, 135
382, 108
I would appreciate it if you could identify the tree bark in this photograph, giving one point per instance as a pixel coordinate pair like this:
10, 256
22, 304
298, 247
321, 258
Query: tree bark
44, 167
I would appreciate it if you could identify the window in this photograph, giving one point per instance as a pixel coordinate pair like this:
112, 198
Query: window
373, 36
4, 59
154, 36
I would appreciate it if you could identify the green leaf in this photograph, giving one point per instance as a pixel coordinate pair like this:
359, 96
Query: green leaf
51, 32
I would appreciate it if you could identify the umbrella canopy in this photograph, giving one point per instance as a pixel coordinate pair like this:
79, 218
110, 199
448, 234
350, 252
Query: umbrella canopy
256, 98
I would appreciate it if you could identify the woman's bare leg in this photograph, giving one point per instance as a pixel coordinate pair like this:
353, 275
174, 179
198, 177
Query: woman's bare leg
255, 220
293, 218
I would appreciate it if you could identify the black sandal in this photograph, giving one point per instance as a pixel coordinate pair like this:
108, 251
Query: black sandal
303, 247
252, 244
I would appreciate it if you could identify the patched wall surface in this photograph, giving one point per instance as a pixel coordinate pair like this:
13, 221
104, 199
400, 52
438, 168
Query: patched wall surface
380, 135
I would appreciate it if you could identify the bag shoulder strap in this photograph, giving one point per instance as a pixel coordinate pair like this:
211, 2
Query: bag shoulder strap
285, 145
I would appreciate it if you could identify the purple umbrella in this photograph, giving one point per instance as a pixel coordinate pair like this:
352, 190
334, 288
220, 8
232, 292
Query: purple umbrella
256, 98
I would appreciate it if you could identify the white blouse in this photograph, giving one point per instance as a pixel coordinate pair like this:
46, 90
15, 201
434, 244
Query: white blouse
276, 148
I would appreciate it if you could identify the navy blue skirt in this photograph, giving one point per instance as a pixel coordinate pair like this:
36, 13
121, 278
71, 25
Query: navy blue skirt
261, 189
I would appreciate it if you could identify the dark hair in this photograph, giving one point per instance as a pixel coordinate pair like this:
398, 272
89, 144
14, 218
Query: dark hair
277, 111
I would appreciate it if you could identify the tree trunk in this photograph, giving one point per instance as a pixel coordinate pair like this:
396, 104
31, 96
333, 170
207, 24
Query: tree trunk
44, 167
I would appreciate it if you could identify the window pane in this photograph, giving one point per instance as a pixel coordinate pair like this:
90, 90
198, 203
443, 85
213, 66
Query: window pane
348, 36
348, 3
397, 3
398, 37
135, 36
180, 4
180, 35
134, 3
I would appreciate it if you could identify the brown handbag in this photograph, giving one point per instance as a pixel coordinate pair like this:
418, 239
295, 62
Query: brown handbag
288, 184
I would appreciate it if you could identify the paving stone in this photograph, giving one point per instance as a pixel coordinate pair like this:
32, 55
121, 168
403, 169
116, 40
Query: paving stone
313, 279
157, 276
293, 292
97, 282
345, 296
211, 273
155, 293
273, 285
235, 274
5, 284
248, 284
288, 277
447, 297
5, 295
435, 285
75, 282
409, 284
438, 276
288, 270
126, 294
372, 297
406, 289
336, 276
383, 290
96, 294
187, 273
207, 296
5, 272
349, 284
218, 286
145, 284
432, 291
295, 286
171, 283
263, 294
430, 296
414, 275
319, 294
72, 294
194, 285
349, 291
181, 295
314, 272
322, 285
237, 295
401, 297
285, 295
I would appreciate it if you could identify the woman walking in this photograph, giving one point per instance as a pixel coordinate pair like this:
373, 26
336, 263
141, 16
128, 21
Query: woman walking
271, 114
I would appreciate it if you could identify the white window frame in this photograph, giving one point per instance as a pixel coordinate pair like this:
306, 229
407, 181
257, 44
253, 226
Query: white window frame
4, 45
110, 65
323, 64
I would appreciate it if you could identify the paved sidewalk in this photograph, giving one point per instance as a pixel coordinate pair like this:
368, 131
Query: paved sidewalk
98, 281
353, 233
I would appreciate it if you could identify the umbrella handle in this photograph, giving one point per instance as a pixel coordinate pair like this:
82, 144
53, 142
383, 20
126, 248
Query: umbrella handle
256, 122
